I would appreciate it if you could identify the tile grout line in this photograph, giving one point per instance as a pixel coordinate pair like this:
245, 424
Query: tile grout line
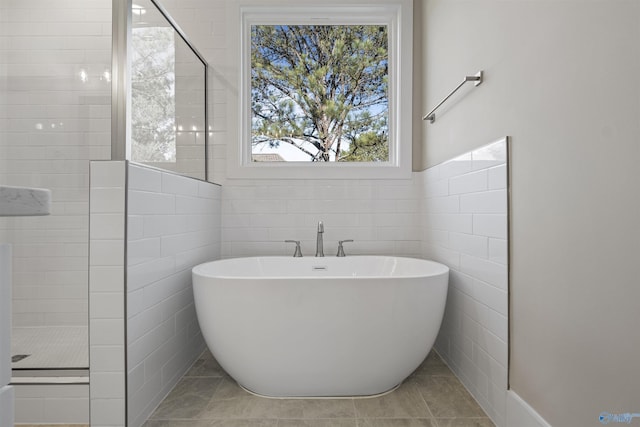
355, 411
428, 408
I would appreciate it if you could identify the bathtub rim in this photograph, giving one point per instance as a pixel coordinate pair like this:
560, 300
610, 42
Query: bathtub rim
435, 268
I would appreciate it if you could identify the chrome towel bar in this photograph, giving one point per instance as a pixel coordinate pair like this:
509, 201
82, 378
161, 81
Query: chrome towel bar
477, 78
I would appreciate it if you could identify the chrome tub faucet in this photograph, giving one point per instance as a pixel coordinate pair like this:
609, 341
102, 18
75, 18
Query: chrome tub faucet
319, 243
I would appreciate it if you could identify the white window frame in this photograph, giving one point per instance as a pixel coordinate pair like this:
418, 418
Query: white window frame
398, 16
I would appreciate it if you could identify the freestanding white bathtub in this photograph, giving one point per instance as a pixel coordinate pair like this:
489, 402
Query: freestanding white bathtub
320, 327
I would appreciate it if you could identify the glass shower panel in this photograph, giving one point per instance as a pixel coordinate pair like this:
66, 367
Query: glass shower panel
168, 96
55, 116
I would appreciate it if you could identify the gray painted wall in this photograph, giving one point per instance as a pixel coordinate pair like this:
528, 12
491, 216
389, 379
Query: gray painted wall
561, 79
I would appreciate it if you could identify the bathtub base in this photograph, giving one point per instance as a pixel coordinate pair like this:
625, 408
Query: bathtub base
369, 396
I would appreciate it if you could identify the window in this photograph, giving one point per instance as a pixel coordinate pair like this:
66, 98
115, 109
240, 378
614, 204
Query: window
319, 93
325, 90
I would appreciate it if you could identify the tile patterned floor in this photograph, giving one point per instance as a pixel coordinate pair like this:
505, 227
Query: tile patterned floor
431, 397
51, 347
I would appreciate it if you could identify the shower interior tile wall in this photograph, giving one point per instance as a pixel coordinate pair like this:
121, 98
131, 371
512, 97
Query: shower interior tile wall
53, 121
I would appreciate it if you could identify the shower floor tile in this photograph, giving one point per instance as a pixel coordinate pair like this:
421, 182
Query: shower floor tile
50, 347
431, 397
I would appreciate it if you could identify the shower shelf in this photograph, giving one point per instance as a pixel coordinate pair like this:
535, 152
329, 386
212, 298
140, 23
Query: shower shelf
24, 201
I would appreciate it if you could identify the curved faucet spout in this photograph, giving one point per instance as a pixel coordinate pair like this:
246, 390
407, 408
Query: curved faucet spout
319, 243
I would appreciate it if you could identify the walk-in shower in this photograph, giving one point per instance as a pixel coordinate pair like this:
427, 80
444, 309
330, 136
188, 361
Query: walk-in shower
55, 114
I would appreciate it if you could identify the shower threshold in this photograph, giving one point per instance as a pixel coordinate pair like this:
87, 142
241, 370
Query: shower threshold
50, 376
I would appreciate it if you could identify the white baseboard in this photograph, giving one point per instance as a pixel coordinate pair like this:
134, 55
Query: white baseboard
520, 414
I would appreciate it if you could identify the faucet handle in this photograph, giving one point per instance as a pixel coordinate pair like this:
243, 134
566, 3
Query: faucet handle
297, 253
340, 248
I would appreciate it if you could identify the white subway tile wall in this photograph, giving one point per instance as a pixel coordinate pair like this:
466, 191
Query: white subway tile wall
381, 216
55, 116
52, 404
107, 293
465, 227
173, 224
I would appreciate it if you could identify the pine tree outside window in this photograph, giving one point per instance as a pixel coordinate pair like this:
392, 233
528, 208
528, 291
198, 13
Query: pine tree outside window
320, 93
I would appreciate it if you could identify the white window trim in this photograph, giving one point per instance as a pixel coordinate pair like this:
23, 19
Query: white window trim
397, 14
